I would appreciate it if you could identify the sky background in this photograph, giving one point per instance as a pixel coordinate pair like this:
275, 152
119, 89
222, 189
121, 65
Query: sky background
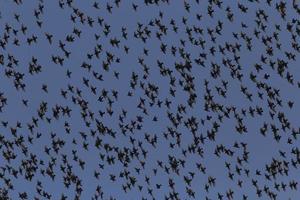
57, 22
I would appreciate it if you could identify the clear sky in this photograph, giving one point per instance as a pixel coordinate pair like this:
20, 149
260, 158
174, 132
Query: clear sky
56, 21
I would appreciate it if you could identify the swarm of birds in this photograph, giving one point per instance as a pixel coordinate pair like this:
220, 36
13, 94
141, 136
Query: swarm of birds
149, 99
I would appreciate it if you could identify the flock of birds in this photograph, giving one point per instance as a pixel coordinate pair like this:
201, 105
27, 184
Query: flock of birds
149, 99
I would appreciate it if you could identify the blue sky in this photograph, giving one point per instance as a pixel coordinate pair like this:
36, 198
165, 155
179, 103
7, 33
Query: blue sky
56, 21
